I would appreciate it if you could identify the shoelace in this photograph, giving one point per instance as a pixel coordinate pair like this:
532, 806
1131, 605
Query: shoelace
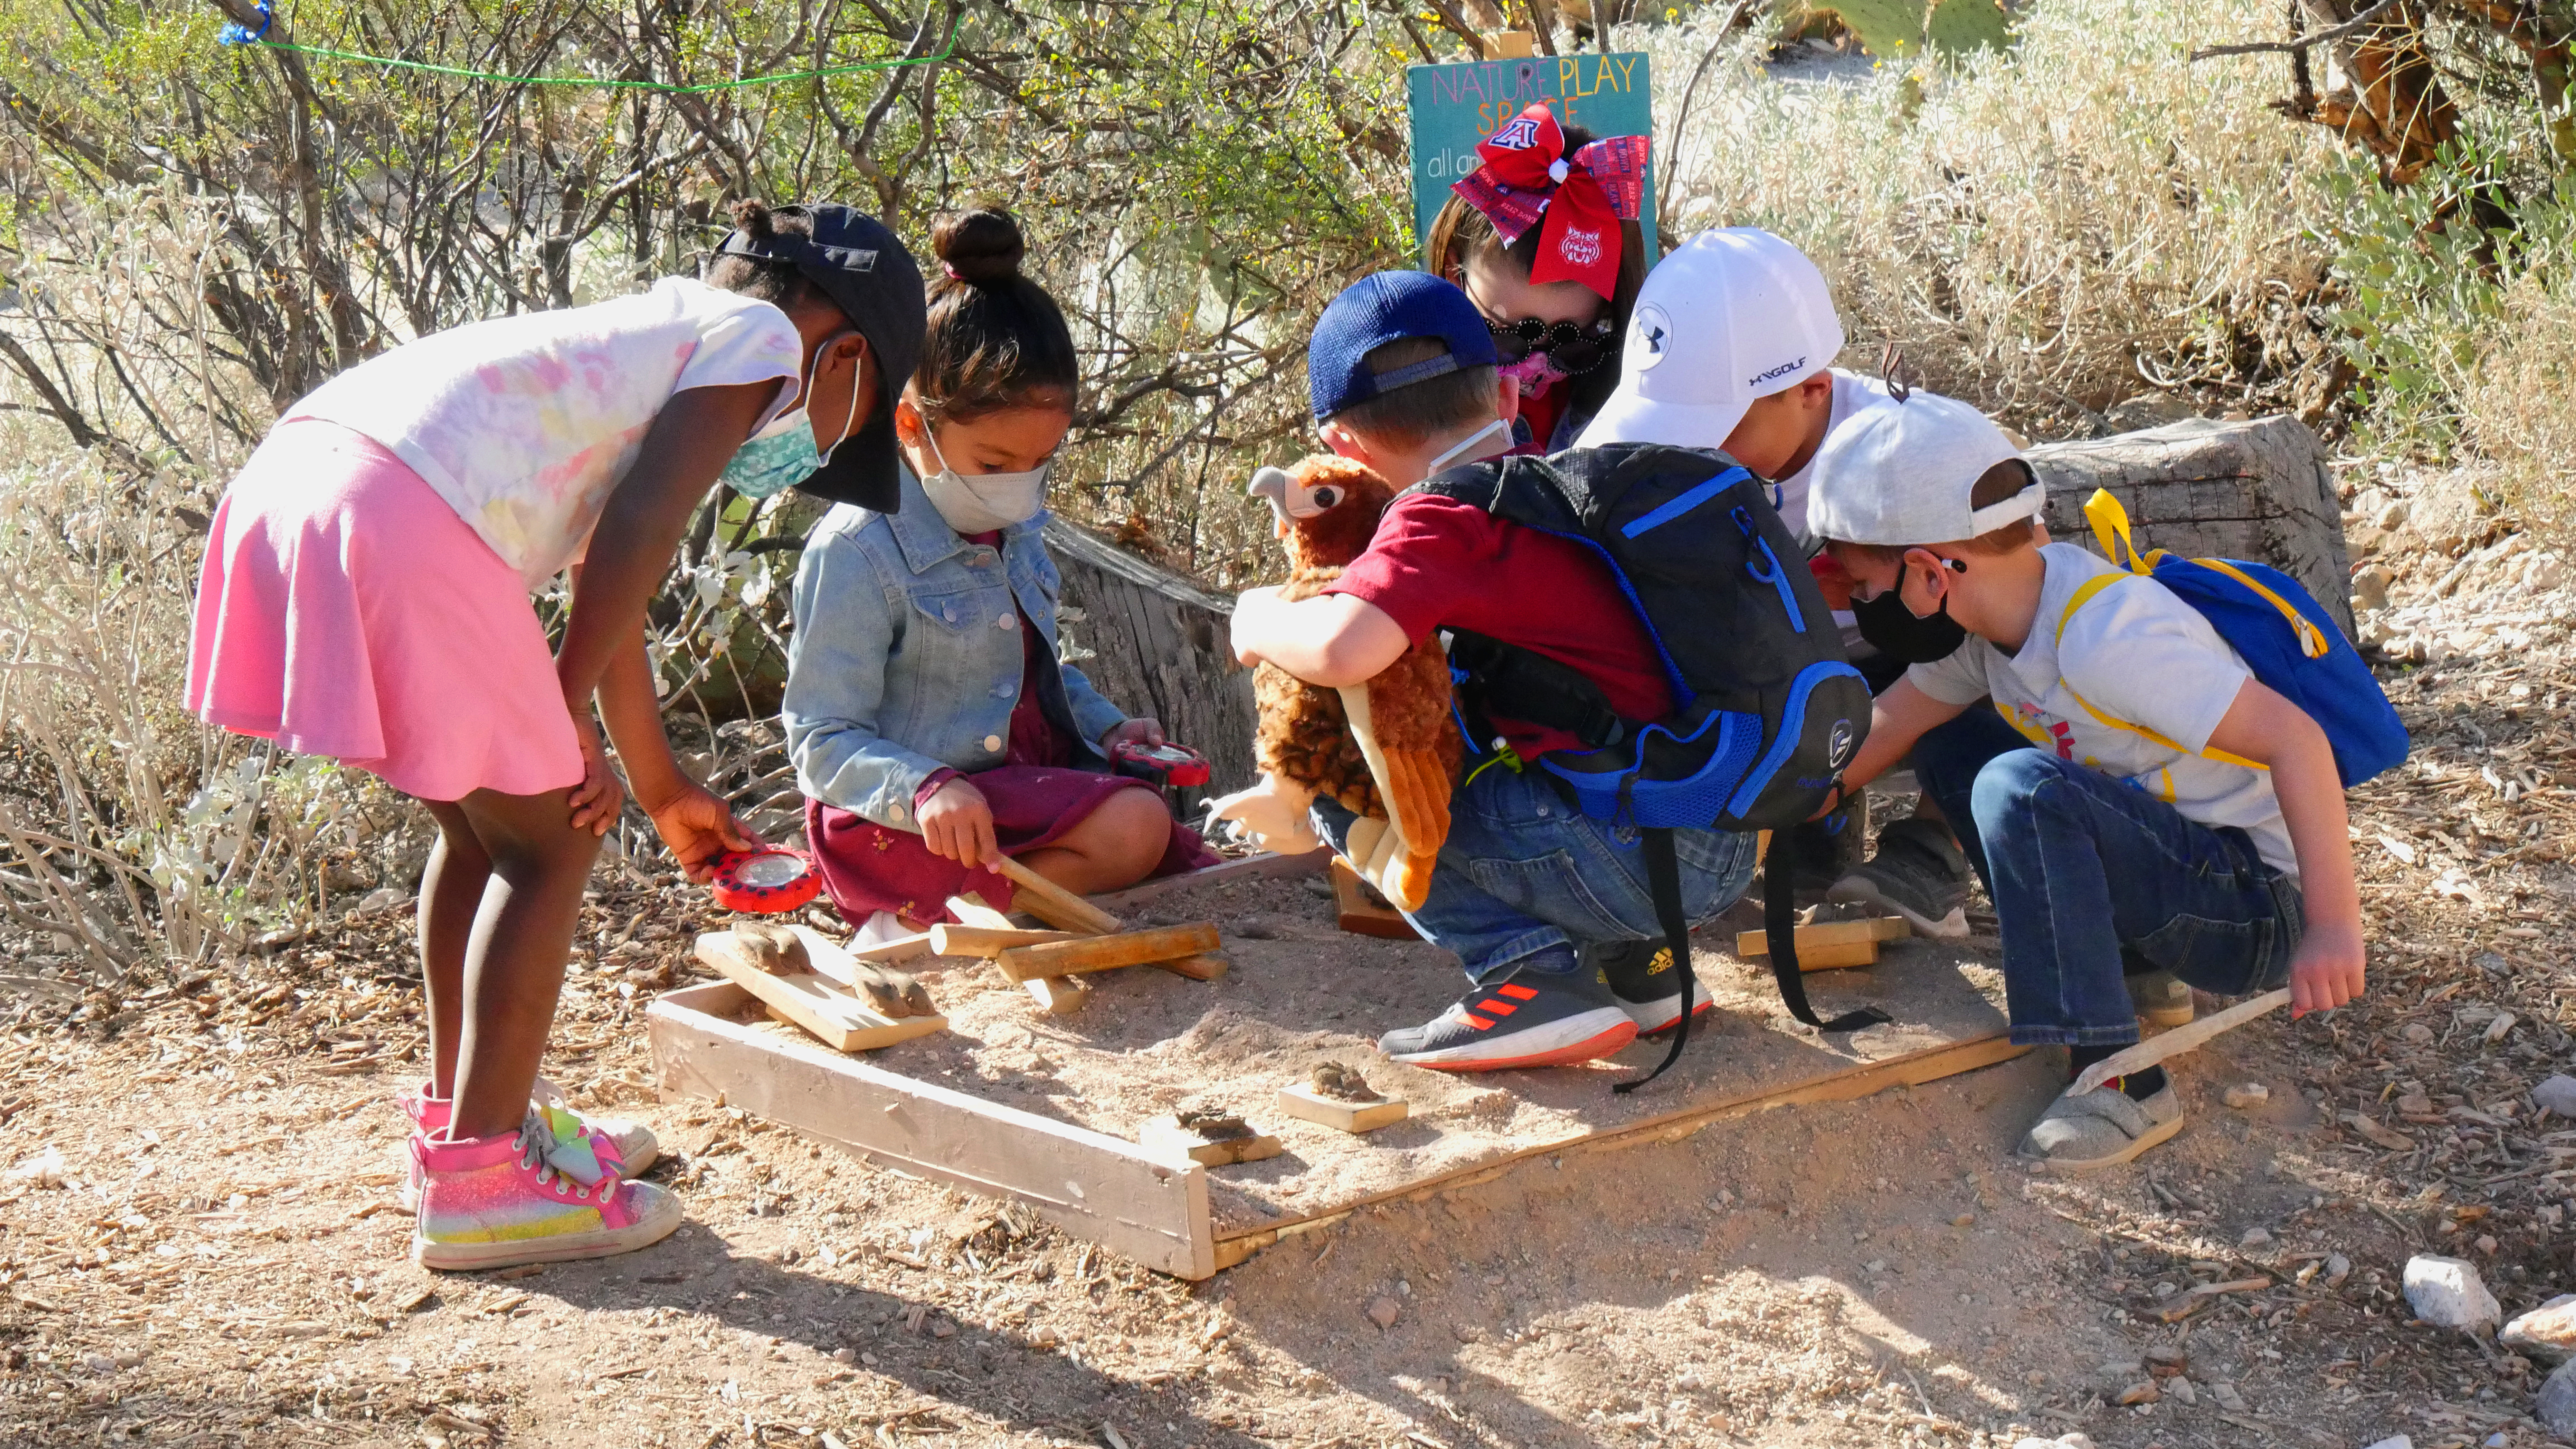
553, 1144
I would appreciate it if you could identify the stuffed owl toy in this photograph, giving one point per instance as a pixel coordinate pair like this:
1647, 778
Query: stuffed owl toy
1388, 750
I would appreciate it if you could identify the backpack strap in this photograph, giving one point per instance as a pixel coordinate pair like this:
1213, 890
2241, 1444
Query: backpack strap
2084, 594
2312, 640
2111, 527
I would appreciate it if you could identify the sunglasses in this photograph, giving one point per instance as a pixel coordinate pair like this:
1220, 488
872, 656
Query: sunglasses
1574, 349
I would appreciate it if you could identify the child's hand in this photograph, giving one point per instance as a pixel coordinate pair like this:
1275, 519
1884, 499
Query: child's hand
2327, 970
957, 824
1249, 610
1832, 580
601, 795
1132, 732
698, 828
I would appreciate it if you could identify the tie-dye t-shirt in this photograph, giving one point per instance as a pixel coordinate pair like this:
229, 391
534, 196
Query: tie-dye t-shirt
524, 424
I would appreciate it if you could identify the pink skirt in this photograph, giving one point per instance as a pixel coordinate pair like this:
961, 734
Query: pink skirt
346, 610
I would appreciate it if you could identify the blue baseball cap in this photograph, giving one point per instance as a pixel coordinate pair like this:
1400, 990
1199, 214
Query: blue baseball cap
1389, 307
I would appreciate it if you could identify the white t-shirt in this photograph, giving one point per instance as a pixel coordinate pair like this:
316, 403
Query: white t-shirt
2136, 653
1853, 395
524, 424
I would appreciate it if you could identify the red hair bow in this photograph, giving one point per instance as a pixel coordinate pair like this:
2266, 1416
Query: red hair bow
1527, 179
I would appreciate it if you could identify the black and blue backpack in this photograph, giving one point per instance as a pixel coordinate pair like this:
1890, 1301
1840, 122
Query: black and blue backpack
1767, 710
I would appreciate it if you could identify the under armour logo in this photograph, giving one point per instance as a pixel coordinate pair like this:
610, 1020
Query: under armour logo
1655, 341
1518, 135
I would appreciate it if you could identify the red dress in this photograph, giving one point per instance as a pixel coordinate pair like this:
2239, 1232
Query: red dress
1037, 795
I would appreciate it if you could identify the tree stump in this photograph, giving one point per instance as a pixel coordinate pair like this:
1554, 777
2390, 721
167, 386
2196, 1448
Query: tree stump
2202, 488
1157, 644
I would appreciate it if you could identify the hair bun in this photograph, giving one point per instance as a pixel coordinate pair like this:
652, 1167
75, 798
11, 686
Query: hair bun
752, 219
983, 246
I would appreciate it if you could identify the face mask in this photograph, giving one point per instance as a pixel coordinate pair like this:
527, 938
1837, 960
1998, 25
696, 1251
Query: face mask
1905, 636
1536, 373
981, 502
782, 455
1468, 444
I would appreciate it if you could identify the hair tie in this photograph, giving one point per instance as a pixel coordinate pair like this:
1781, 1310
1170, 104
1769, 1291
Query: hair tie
950, 268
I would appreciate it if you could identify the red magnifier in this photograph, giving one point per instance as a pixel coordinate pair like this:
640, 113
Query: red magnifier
767, 882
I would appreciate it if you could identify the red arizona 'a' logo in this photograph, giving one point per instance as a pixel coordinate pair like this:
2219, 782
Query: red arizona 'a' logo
1519, 135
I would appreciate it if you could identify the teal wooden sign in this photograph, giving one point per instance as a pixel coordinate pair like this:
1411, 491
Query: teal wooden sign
1452, 107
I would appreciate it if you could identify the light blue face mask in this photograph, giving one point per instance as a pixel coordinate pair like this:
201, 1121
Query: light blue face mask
782, 455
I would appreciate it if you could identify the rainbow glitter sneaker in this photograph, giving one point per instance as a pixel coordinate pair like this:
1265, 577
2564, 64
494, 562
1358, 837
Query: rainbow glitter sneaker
634, 1142
544, 1194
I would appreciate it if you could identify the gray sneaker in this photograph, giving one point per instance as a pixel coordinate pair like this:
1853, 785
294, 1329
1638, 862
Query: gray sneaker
1918, 874
2102, 1128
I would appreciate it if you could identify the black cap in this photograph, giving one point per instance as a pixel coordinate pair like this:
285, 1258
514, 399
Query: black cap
854, 260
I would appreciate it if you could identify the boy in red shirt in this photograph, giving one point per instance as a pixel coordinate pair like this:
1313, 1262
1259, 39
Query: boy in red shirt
1401, 372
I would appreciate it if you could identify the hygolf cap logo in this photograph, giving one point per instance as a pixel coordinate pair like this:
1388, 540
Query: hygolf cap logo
1518, 135
1759, 378
1650, 337
1838, 745
1582, 248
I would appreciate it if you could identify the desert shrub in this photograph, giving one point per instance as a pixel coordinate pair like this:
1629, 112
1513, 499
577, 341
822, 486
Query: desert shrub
2044, 230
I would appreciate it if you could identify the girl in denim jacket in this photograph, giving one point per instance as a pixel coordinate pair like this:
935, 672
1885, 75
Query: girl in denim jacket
929, 721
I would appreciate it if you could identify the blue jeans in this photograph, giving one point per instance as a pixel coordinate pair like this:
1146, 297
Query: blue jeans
1524, 878
2087, 871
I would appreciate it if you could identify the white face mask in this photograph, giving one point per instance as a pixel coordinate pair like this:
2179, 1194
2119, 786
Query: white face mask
1468, 445
980, 502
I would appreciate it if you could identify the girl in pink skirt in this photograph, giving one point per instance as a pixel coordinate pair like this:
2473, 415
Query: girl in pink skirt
366, 596
931, 726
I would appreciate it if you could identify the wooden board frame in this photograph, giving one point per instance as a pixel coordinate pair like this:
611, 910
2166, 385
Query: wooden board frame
1127, 1198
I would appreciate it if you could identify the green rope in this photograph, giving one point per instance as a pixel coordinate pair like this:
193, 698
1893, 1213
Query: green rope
658, 87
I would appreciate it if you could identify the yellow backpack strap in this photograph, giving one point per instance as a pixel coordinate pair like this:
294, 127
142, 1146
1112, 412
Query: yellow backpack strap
2084, 593
2111, 528
2312, 640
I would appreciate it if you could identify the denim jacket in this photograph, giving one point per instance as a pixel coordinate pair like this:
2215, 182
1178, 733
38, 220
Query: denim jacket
907, 656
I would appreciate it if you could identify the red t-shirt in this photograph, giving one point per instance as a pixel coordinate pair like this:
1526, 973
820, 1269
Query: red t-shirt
1541, 410
1436, 562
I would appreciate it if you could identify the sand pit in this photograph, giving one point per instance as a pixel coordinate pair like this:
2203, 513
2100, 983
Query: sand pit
1302, 992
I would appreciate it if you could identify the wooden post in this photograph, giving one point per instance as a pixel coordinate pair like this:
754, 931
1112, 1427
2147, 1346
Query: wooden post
1105, 953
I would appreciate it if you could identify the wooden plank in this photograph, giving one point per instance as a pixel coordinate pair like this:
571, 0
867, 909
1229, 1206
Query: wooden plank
804, 999
986, 942
1145, 1207
1058, 995
1828, 936
1262, 865
901, 948
1105, 953
1912, 1069
971, 911
1356, 913
1166, 1134
1308, 1105
1054, 904
1206, 966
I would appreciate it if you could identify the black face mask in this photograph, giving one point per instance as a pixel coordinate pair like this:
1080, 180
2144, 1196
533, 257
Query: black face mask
1899, 633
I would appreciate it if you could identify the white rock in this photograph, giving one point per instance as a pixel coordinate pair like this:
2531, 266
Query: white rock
2179, 1390
2546, 1333
2558, 1094
2245, 1096
2255, 1238
2338, 1268
2556, 1406
2394, 1441
2447, 1293
2227, 1397
44, 1169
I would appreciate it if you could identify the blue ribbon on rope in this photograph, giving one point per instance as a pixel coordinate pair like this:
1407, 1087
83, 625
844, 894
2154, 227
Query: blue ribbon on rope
238, 34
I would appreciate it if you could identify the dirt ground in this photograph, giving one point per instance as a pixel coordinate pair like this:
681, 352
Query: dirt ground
200, 1246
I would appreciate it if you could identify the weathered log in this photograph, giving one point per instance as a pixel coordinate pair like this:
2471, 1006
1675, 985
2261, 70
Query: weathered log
1157, 644
2202, 488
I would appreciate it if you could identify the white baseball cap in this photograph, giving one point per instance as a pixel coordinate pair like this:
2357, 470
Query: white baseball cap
1903, 475
1735, 314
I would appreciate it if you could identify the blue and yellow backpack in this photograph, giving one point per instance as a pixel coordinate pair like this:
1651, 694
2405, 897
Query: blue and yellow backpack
2286, 638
